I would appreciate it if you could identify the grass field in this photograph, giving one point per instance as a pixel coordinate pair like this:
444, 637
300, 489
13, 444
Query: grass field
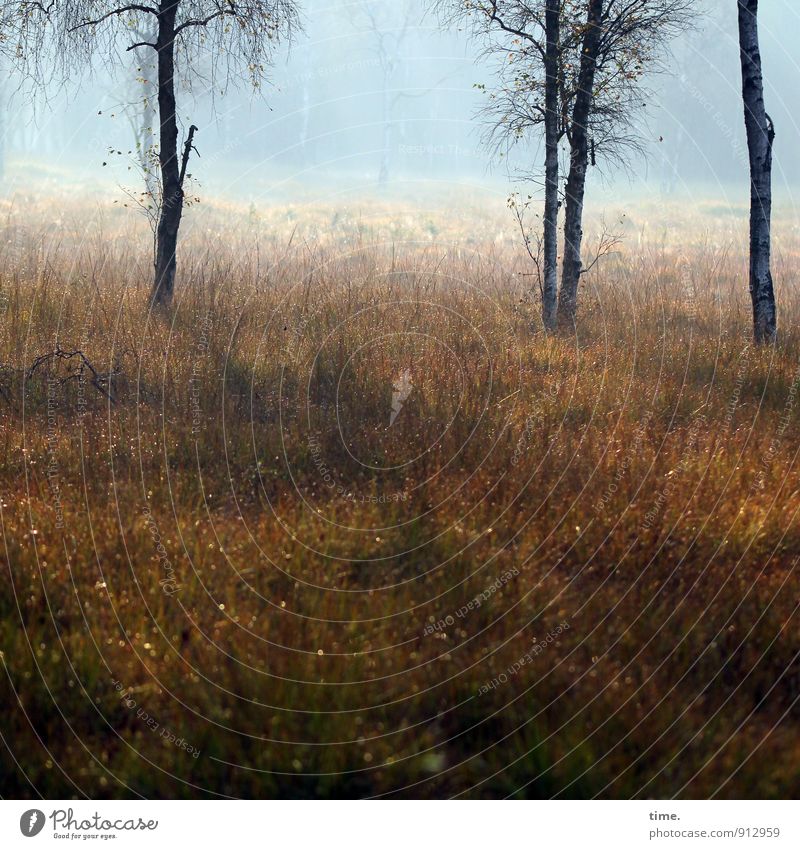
568, 567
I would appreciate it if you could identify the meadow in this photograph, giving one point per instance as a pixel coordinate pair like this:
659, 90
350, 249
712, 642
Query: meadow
347, 523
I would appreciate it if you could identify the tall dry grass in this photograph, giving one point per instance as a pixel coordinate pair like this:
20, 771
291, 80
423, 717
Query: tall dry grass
567, 569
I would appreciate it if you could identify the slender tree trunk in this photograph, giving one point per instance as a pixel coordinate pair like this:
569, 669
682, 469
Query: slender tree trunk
2, 133
572, 266
386, 154
305, 112
148, 122
551, 123
760, 136
169, 221
5, 125
143, 123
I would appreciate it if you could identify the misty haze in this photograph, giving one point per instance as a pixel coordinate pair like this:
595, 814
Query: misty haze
399, 399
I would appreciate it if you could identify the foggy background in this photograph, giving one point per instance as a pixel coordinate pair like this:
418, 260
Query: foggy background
378, 96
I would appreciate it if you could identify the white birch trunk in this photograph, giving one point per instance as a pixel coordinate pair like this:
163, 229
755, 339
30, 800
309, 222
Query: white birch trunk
760, 135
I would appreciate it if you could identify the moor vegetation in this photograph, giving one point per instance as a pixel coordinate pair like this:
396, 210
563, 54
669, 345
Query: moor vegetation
225, 573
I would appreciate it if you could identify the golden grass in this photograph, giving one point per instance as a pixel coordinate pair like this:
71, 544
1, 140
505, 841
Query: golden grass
627, 497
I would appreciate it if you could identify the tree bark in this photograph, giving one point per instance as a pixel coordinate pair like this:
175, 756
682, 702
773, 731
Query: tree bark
760, 136
551, 131
572, 266
169, 220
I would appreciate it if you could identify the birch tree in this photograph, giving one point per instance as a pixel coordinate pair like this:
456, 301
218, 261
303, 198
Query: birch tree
552, 33
589, 58
582, 106
525, 97
760, 138
238, 37
622, 42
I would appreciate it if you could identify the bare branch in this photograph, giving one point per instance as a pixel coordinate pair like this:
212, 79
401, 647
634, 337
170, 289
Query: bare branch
606, 245
187, 150
206, 21
536, 258
142, 44
133, 7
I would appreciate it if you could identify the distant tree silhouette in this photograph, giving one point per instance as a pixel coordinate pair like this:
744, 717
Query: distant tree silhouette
387, 26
